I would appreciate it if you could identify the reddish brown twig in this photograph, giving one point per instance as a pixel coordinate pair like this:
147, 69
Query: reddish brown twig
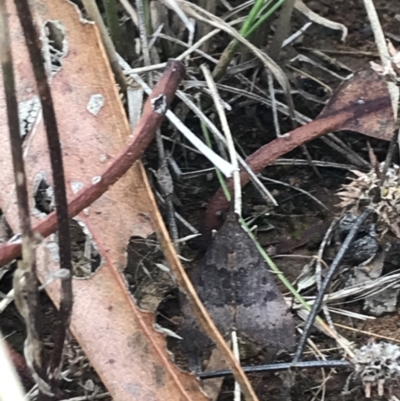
265, 156
329, 120
153, 113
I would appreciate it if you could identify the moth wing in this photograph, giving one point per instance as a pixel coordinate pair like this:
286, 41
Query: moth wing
261, 312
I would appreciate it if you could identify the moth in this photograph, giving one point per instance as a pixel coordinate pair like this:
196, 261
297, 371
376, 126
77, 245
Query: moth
240, 293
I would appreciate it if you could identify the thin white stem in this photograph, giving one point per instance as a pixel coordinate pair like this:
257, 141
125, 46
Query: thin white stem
235, 349
182, 56
237, 192
219, 136
226, 168
383, 51
189, 23
131, 11
273, 104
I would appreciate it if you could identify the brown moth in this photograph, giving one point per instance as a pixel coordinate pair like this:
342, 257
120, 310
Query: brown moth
240, 294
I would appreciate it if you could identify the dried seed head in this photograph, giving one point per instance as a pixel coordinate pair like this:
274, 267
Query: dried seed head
377, 364
363, 190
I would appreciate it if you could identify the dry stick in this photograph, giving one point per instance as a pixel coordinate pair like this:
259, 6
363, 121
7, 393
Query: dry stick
153, 114
318, 269
204, 29
276, 148
281, 32
389, 156
163, 174
25, 280
60, 195
324, 287
236, 353
276, 367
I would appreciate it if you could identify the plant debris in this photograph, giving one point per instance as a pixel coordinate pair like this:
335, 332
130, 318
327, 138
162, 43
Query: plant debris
377, 364
363, 190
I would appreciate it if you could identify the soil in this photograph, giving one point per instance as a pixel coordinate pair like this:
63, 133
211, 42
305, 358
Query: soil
291, 232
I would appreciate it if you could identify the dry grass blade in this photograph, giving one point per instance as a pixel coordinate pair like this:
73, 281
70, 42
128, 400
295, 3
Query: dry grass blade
204, 16
383, 52
226, 168
300, 6
219, 137
237, 193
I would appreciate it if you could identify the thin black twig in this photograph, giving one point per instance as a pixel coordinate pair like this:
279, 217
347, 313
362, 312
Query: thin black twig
26, 285
278, 367
389, 156
324, 287
53, 139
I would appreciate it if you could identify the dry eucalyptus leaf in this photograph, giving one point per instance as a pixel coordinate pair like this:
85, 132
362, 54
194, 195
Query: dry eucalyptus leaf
117, 337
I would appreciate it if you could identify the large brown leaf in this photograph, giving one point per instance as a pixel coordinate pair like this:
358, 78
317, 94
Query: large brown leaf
117, 337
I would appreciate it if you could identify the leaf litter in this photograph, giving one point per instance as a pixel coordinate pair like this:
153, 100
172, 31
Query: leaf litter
228, 215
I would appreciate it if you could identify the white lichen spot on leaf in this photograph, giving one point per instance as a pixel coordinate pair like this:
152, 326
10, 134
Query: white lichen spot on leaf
95, 104
28, 111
